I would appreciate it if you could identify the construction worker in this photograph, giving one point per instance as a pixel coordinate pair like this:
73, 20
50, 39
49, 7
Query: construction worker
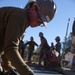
52, 46
58, 44
58, 47
73, 46
13, 23
31, 45
44, 47
73, 37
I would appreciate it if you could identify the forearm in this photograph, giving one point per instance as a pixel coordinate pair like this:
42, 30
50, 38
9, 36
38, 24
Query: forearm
17, 62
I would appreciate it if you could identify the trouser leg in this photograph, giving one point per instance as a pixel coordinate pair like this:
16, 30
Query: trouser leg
41, 55
29, 57
22, 54
44, 52
45, 62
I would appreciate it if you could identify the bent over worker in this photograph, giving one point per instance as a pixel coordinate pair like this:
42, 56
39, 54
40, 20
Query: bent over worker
13, 23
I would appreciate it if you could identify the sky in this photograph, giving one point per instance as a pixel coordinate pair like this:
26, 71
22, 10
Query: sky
56, 27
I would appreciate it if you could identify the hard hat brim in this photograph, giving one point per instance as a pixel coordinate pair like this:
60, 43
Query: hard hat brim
43, 20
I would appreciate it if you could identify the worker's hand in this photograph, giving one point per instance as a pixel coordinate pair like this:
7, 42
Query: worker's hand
11, 72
